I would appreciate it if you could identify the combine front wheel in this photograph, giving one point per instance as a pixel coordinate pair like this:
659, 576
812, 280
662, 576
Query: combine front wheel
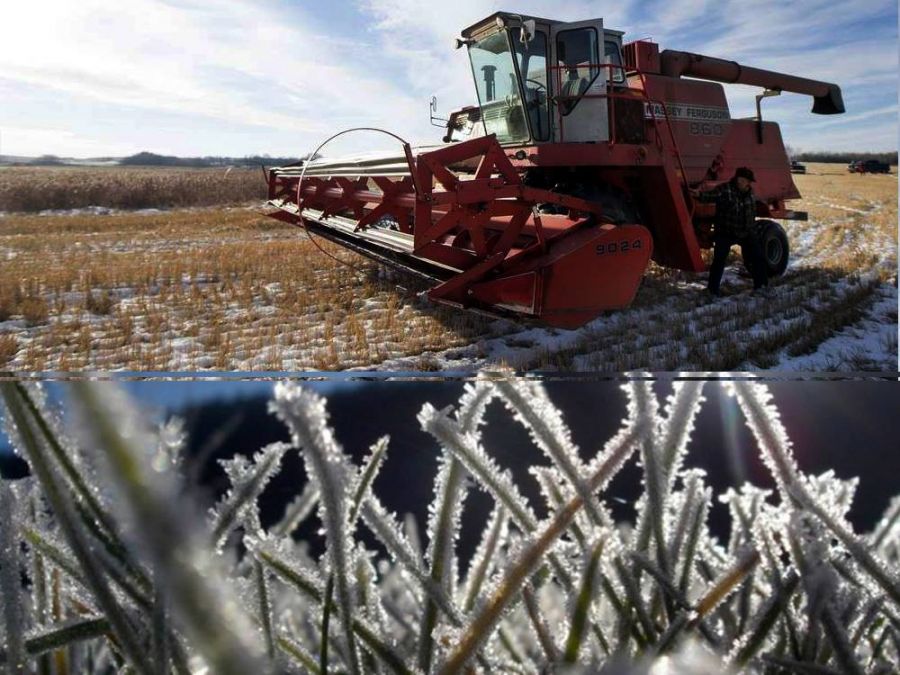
774, 243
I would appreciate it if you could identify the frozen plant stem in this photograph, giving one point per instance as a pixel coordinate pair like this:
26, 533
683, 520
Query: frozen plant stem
308, 588
10, 581
247, 491
521, 568
539, 624
766, 424
450, 485
60, 636
726, 585
483, 560
533, 408
210, 616
65, 464
92, 515
304, 413
363, 485
68, 521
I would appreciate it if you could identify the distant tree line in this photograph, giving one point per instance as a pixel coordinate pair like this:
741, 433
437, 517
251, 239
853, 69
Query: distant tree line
845, 157
152, 159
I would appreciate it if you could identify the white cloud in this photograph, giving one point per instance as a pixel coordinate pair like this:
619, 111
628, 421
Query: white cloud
291, 76
233, 61
62, 142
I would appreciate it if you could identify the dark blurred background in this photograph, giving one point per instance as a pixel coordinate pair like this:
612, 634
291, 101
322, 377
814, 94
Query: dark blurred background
847, 426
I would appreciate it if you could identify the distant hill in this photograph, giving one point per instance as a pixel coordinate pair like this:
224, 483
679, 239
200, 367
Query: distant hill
148, 159
152, 159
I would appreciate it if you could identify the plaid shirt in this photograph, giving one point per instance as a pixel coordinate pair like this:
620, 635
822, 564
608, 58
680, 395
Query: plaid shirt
735, 210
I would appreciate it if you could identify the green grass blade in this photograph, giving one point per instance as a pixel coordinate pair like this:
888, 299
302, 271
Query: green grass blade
298, 653
304, 583
159, 638
265, 607
840, 643
94, 517
636, 602
61, 457
69, 523
62, 635
578, 624
539, 624
326, 624
765, 620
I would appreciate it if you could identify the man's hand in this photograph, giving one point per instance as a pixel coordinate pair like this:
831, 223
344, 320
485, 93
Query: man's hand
694, 192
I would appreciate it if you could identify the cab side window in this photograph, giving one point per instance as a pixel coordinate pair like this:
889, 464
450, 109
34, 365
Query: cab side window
531, 58
614, 56
578, 58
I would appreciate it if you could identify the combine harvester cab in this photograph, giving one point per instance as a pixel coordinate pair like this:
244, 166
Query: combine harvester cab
549, 198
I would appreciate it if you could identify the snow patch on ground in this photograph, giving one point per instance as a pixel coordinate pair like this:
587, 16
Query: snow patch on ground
867, 345
672, 324
109, 211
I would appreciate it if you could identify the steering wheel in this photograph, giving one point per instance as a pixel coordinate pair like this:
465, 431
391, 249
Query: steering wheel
536, 101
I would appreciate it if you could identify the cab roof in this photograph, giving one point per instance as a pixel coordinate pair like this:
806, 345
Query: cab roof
486, 22
515, 19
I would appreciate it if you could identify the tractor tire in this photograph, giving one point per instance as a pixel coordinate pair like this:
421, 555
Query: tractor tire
774, 245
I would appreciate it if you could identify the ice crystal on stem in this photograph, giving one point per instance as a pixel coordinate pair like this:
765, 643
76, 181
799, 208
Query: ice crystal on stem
304, 413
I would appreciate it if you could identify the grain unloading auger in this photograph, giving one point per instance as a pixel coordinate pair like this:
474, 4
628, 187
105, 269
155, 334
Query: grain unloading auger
550, 205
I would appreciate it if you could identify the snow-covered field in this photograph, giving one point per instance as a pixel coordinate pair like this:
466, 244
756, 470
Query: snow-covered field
227, 289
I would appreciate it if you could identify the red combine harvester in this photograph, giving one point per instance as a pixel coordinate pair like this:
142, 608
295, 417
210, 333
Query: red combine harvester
548, 199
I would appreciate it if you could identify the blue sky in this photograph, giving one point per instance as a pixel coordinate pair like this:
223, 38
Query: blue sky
235, 77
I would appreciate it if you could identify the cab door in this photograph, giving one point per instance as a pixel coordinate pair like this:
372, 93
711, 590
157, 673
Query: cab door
581, 113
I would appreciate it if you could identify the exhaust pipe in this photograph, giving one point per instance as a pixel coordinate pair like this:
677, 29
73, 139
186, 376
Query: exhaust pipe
827, 99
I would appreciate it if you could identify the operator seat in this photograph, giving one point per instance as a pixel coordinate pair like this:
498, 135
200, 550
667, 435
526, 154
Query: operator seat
573, 86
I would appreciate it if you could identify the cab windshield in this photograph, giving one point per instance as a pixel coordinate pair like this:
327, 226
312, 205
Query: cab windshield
497, 83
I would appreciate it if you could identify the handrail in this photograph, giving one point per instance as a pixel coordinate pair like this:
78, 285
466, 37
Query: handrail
644, 97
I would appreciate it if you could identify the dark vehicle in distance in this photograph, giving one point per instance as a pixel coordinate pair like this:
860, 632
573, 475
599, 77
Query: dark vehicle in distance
868, 166
797, 167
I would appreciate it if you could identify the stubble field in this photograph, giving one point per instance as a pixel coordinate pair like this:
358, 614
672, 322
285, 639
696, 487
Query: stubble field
197, 287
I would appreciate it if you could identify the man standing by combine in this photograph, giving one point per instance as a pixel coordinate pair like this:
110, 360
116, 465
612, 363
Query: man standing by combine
735, 224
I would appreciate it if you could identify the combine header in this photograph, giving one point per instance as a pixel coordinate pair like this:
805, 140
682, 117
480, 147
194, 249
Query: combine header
549, 198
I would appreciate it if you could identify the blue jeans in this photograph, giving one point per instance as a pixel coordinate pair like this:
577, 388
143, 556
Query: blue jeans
751, 252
